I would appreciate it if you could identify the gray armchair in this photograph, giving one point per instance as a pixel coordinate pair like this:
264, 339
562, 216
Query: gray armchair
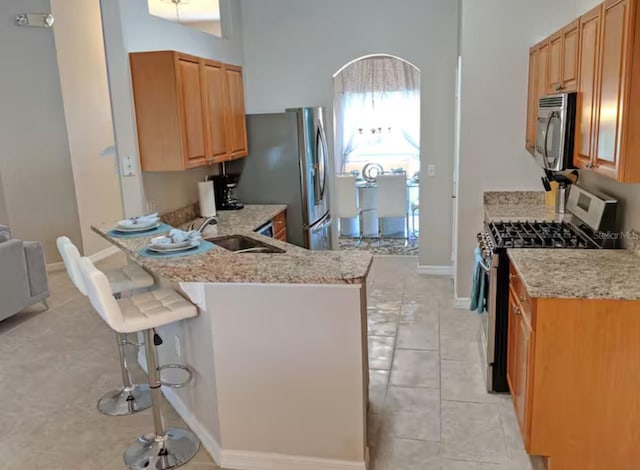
23, 274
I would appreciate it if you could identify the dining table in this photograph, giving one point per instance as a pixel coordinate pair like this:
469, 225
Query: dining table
367, 195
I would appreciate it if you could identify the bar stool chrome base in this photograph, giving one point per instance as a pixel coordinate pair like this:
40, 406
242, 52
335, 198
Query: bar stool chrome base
125, 401
172, 450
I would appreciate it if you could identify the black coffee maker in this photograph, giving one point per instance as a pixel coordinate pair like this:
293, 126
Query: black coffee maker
224, 187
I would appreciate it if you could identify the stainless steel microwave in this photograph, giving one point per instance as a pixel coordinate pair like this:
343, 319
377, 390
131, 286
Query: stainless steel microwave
555, 131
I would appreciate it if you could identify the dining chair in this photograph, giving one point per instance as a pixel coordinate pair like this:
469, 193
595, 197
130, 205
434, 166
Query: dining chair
347, 204
392, 199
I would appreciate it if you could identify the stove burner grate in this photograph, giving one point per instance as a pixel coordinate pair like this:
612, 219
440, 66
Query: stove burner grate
538, 235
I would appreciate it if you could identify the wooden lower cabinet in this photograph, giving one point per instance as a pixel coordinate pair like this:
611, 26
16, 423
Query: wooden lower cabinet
281, 235
573, 373
519, 360
280, 226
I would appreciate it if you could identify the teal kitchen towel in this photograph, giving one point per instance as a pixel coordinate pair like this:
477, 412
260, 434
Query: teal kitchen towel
478, 287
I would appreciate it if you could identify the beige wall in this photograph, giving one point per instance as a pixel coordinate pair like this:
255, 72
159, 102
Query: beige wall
496, 36
35, 167
293, 48
585, 5
166, 192
210, 27
128, 27
85, 92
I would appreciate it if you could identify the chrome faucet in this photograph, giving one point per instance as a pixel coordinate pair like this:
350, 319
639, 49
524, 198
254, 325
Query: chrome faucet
205, 223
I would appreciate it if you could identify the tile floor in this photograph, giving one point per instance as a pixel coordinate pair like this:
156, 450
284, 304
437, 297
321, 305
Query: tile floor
428, 409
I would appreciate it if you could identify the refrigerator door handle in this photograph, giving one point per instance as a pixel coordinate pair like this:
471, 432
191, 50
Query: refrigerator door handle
322, 225
321, 162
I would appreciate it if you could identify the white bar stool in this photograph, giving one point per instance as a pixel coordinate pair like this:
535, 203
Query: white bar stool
166, 447
392, 199
129, 398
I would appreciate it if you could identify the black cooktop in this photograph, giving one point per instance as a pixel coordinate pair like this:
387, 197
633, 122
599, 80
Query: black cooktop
538, 235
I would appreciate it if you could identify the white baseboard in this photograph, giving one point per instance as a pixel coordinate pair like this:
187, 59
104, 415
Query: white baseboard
245, 460
206, 439
100, 255
54, 267
462, 302
435, 270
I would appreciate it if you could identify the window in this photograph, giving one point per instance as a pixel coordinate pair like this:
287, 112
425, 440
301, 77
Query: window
376, 133
203, 15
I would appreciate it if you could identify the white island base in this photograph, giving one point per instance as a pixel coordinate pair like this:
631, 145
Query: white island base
280, 374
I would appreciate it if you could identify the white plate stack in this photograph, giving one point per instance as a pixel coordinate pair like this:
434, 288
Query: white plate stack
138, 224
167, 244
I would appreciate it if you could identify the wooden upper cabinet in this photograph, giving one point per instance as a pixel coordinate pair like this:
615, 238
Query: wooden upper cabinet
614, 74
215, 104
563, 60
189, 111
570, 50
542, 71
237, 118
532, 102
555, 63
598, 56
590, 32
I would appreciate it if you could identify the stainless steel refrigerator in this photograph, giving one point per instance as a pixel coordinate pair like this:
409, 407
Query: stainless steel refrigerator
287, 164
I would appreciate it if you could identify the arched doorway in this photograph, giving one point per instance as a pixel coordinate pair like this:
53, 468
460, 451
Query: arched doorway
377, 131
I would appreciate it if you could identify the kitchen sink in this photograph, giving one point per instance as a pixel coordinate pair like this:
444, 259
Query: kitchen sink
242, 244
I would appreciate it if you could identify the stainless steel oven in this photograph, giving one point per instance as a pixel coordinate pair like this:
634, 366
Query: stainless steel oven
555, 131
494, 345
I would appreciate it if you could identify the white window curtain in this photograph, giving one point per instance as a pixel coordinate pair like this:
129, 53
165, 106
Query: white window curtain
379, 92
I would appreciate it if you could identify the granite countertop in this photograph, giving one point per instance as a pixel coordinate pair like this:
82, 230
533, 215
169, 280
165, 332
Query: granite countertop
515, 206
579, 273
296, 266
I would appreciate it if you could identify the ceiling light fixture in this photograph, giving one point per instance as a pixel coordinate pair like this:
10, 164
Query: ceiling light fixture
178, 4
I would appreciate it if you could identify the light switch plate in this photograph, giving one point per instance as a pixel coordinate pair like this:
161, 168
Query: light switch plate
178, 345
431, 170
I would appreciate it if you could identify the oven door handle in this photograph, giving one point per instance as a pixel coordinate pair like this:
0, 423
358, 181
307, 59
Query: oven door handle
546, 140
493, 291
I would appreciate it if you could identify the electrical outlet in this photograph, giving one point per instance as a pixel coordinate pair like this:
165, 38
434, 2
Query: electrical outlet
431, 170
178, 344
128, 166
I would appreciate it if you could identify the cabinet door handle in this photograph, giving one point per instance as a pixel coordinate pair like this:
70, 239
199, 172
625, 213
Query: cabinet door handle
523, 298
516, 310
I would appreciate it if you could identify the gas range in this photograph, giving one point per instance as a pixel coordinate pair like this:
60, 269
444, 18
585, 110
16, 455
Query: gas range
592, 217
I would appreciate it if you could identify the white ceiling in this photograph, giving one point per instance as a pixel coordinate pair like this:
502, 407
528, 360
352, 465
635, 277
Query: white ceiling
190, 10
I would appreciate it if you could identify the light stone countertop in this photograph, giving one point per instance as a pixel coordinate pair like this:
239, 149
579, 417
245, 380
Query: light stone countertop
296, 266
518, 206
578, 274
